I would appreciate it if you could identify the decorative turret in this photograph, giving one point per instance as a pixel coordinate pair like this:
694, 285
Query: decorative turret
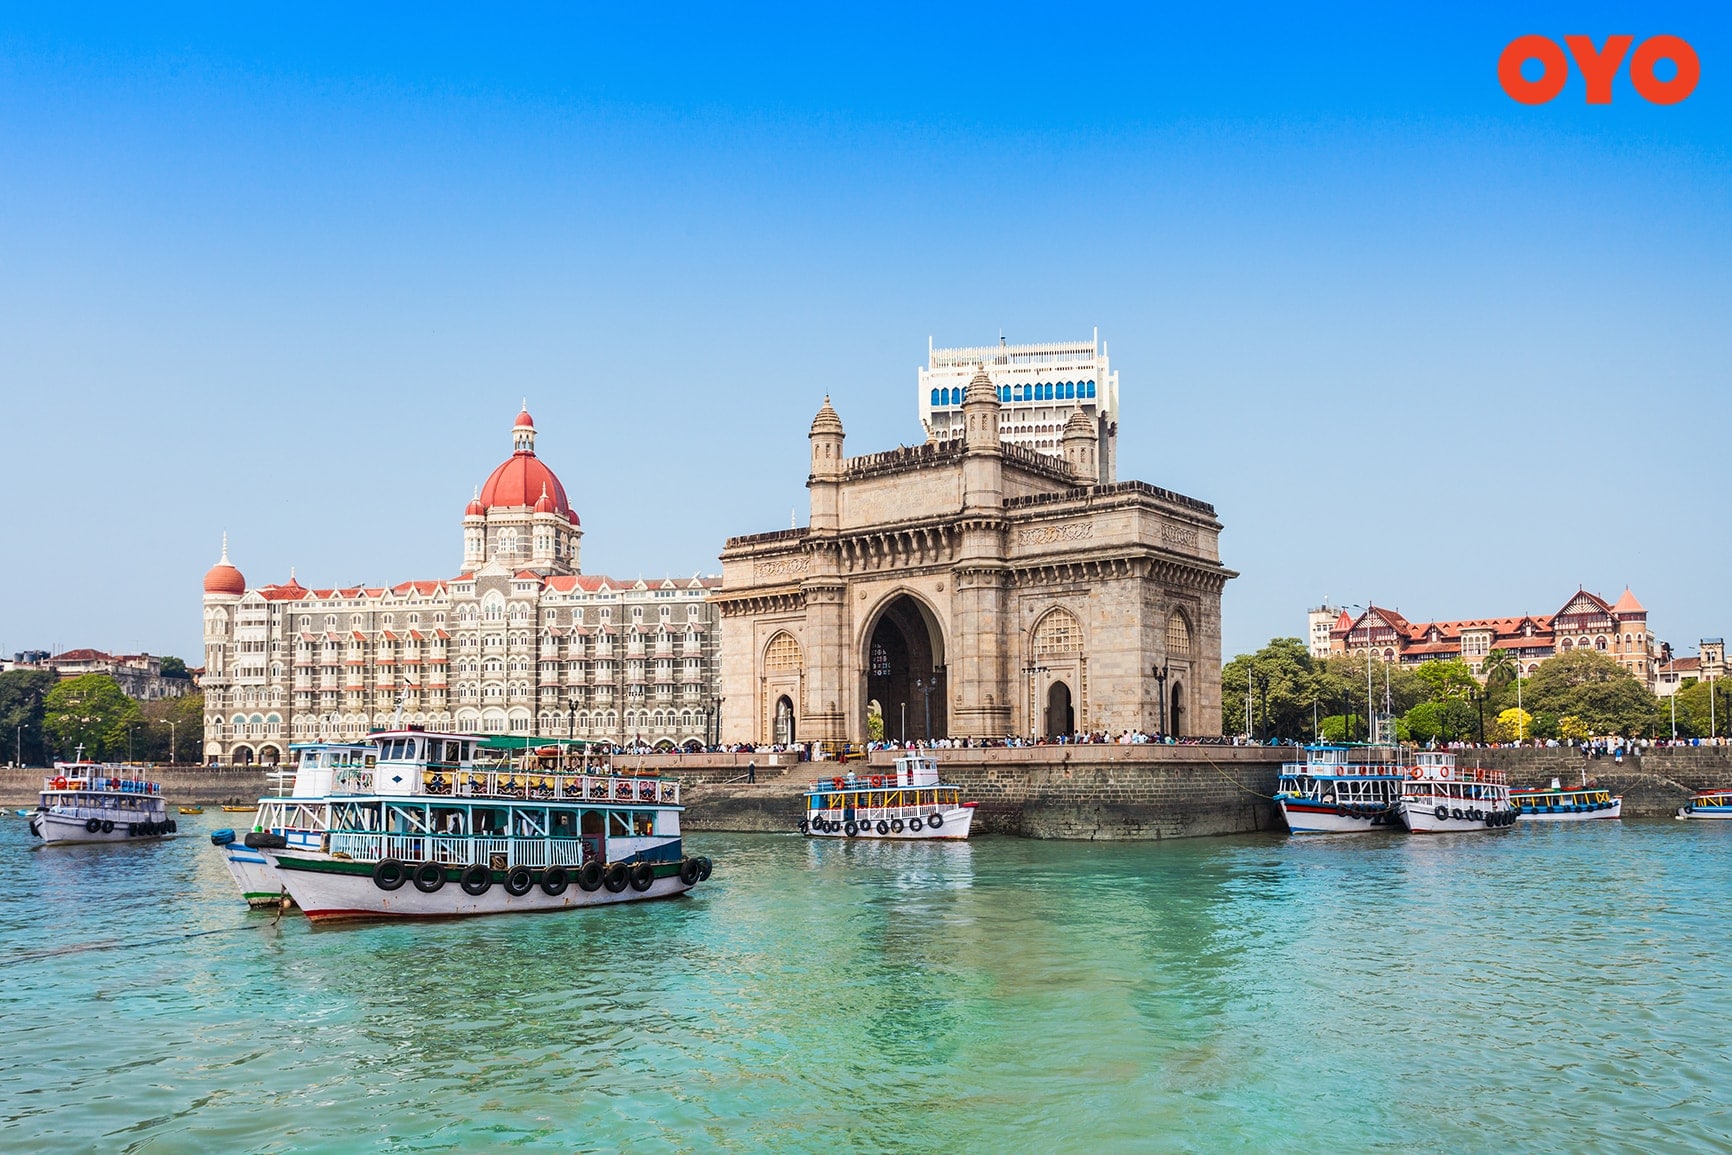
827, 438
223, 579
523, 431
1082, 448
474, 532
980, 412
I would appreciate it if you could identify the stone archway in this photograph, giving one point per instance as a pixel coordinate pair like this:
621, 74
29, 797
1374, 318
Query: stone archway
785, 729
1178, 711
904, 671
1060, 714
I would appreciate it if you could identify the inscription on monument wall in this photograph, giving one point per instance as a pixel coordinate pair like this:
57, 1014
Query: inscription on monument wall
1179, 536
1049, 534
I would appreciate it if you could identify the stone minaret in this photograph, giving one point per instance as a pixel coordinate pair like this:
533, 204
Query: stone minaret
1082, 448
827, 437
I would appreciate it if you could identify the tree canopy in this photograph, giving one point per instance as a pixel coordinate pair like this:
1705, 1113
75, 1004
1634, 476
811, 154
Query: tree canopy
22, 694
88, 711
1596, 691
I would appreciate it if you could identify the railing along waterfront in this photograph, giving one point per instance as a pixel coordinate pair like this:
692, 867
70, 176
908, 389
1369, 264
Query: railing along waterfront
440, 782
459, 850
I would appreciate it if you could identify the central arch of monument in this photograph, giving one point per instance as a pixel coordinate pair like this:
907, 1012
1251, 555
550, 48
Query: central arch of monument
902, 668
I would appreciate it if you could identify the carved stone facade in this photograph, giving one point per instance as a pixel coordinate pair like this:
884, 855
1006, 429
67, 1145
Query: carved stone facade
972, 588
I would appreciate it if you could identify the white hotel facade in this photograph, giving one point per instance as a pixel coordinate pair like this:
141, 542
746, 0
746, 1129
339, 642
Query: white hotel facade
1039, 387
521, 642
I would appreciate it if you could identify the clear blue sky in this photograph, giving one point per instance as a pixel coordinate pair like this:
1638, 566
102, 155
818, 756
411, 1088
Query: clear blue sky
287, 270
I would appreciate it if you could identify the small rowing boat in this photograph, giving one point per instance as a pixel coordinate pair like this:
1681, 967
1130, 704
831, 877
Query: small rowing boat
1559, 805
192, 810
239, 809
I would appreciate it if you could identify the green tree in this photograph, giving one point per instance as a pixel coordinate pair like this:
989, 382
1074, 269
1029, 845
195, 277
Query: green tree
88, 711
152, 739
1446, 680
1596, 690
1443, 720
1499, 668
22, 695
1282, 681
1511, 725
1695, 720
173, 667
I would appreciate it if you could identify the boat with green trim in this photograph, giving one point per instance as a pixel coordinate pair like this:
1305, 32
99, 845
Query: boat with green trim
427, 831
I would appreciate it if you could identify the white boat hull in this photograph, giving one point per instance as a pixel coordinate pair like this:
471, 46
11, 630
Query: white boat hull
1321, 818
328, 897
1423, 819
64, 830
1709, 814
257, 879
1615, 810
954, 829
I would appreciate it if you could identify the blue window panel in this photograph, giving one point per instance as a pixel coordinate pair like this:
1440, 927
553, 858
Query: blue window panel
935, 401
1004, 392
1091, 388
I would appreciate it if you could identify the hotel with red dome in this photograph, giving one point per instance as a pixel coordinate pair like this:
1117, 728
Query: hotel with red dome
520, 642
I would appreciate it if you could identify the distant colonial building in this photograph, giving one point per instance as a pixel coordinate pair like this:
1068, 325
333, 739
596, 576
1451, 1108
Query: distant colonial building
1709, 665
138, 675
1586, 622
1319, 626
520, 642
973, 586
1040, 388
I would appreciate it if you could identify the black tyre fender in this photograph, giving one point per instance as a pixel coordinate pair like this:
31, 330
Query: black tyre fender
107, 826
883, 827
689, 871
805, 826
703, 870
935, 820
476, 880
896, 826
851, 828
554, 880
589, 875
519, 881
1455, 812
173, 826
428, 877
1440, 813
389, 874
92, 825
615, 877
643, 876
914, 824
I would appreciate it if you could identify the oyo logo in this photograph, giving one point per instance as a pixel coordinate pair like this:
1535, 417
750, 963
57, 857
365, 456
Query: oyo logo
1599, 67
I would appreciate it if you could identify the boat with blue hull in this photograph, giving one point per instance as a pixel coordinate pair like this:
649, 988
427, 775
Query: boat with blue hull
1341, 789
427, 831
1585, 803
1710, 804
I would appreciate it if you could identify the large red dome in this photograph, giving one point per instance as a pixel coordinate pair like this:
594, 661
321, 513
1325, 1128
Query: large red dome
519, 481
223, 578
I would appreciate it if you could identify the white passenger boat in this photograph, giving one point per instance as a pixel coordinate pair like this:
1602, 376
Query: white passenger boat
427, 832
1341, 790
299, 819
1579, 804
1709, 804
910, 803
1440, 797
97, 802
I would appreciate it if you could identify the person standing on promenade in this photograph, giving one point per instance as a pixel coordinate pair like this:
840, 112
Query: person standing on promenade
751, 772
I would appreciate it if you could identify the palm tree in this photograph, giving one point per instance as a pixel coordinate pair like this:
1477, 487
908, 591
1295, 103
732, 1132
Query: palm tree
1499, 666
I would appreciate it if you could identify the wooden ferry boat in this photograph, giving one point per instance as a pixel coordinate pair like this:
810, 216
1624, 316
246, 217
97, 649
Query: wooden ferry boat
910, 803
1555, 804
1439, 797
427, 832
299, 819
96, 802
1341, 789
1708, 804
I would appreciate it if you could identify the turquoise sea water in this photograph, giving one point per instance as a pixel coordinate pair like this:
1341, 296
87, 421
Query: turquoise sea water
1546, 989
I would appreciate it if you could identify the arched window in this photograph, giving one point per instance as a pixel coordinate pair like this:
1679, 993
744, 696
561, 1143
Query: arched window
1178, 636
1004, 393
1091, 392
1566, 644
1600, 644
935, 401
1057, 633
1069, 390
782, 654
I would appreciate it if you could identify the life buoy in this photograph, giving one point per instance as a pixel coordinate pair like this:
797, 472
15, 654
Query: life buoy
60, 784
615, 877
835, 784
428, 877
519, 881
554, 880
877, 780
1415, 772
689, 871
1447, 773
589, 875
643, 876
935, 820
476, 880
389, 874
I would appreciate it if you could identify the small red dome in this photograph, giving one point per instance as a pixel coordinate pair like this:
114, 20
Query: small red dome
475, 508
520, 482
223, 578
524, 421
544, 503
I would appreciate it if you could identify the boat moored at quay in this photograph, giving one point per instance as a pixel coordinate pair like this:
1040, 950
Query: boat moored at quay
1441, 797
909, 803
1341, 789
299, 820
428, 832
1556, 804
97, 802
1710, 804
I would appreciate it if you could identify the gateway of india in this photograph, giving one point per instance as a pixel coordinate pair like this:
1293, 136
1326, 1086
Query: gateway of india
996, 580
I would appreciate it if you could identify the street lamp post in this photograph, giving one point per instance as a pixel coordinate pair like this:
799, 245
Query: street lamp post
1161, 673
925, 686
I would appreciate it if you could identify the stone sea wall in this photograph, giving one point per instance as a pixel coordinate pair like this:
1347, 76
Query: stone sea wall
182, 786
1653, 783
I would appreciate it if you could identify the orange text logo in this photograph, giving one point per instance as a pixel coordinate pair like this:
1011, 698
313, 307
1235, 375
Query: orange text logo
1598, 67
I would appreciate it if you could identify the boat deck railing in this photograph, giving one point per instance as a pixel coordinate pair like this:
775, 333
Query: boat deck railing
1342, 770
87, 812
442, 782
107, 785
460, 850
